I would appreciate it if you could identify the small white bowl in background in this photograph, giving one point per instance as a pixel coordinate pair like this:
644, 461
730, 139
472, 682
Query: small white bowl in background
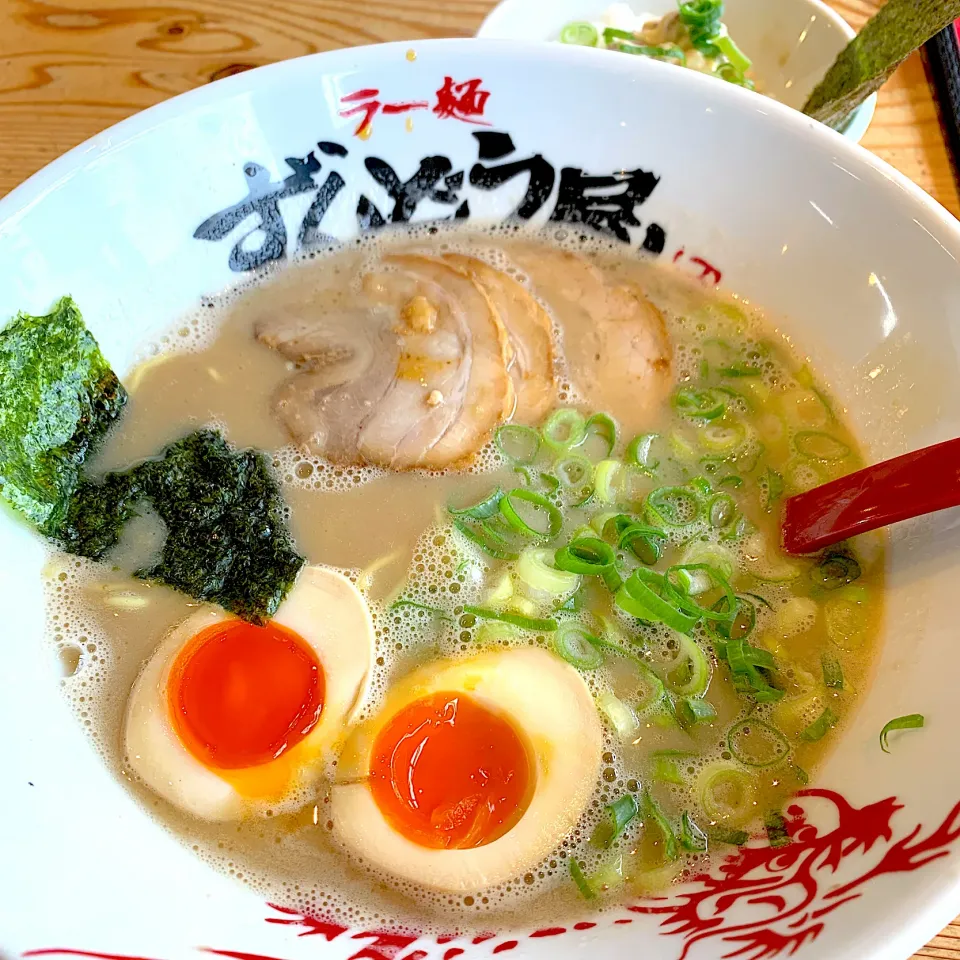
791, 42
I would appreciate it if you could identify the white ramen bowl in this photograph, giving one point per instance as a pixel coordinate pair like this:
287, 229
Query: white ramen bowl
791, 42
856, 264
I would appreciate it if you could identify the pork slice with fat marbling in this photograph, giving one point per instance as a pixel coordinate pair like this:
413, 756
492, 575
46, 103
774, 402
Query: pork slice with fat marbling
451, 386
529, 331
615, 340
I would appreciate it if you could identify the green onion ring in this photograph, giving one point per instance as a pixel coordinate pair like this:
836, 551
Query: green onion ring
525, 438
638, 452
686, 603
574, 470
638, 597
779, 751
818, 445
486, 508
514, 520
487, 539
604, 426
665, 514
643, 542
580, 34
564, 429
577, 646
588, 555
692, 838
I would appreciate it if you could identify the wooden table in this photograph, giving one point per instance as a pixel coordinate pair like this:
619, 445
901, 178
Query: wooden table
69, 68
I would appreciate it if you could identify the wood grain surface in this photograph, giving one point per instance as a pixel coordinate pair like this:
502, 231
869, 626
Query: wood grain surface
71, 68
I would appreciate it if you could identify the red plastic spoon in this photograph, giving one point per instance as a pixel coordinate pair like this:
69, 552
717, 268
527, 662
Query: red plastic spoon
921, 482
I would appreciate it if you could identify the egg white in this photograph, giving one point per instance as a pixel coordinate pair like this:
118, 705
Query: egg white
331, 617
548, 704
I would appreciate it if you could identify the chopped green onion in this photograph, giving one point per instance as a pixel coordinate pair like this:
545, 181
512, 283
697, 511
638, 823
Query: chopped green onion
662, 52
673, 506
422, 607
721, 439
642, 596
535, 567
777, 833
486, 538
698, 404
621, 717
832, 672
802, 776
638, 451
518, 443
580, 34
689, 672
739, 369
604, 478
651, 812
691, 711
735, 838
835, 570
757, 744
913, 721
720, 557
574, 470
605, 427
726, 793
586, 555
743, 63
547, 625
612, 33
564, 429
621, 813
665, 769
701, 13
730, 73
654, 683
721, 510
820, 446
740, 618
550, 482
732, 480
680, 592
772, 483
576, 873
645, 543
692, 838
554, 518
819, 728
577, 646
488, 507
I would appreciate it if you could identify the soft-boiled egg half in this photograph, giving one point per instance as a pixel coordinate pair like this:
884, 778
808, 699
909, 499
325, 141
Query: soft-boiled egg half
471, 772
228, 719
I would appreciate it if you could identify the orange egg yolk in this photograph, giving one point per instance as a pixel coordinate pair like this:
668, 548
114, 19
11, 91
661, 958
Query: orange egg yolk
241, 695
448, 773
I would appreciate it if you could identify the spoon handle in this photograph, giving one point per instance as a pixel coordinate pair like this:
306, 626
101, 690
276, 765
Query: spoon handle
909, 486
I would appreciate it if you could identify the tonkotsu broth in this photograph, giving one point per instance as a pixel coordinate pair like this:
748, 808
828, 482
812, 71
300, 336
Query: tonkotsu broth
392, 534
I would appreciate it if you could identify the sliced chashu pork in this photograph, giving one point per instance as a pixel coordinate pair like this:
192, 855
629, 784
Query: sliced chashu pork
347, 360
416, 377
530, 336
451, 386
615, 340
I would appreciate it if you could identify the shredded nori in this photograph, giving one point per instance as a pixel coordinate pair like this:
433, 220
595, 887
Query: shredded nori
226, 533
898, 28
58, 397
